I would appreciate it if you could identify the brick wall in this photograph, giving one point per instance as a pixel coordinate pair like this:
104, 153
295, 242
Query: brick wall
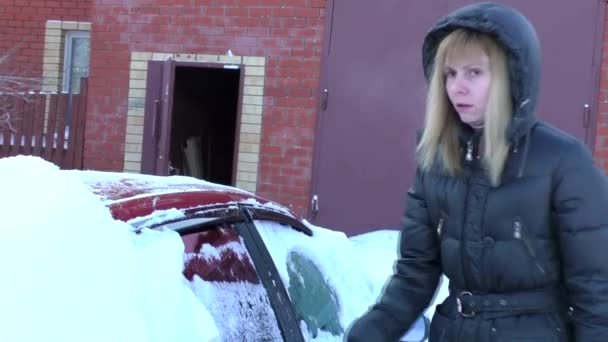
22, 27
288, 33
601, 140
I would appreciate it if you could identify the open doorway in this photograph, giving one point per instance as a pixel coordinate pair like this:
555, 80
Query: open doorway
204, 118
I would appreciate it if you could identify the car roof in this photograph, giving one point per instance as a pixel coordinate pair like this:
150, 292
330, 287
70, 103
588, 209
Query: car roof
130, 195
113, 187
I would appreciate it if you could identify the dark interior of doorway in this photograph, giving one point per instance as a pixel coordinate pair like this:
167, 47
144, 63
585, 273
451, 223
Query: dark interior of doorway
204, 119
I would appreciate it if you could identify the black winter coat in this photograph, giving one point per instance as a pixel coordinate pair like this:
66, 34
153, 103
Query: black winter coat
527, 260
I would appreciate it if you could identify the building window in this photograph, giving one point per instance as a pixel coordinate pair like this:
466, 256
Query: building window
77, 50
66, 55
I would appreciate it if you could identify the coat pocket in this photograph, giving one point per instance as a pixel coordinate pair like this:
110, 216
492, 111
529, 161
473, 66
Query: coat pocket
516, 338
547, 335
439, 325
520, 233
528, 328
522, 337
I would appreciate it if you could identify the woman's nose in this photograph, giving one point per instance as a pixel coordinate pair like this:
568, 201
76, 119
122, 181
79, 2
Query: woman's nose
458, 85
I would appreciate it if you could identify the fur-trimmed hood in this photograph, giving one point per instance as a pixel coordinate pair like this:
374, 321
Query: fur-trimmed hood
519, 39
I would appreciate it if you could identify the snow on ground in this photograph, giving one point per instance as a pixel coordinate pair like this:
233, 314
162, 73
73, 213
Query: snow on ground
70, 272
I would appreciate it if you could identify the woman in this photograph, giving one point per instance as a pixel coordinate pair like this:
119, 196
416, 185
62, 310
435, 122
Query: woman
510, 209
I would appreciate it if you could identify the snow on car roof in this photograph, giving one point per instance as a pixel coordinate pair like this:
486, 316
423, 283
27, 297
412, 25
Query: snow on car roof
115, 186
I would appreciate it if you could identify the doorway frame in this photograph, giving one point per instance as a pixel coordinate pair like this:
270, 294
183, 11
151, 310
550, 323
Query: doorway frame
250, 109
239, 105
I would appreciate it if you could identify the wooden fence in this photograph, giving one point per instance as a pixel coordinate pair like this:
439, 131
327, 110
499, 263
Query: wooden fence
47, 125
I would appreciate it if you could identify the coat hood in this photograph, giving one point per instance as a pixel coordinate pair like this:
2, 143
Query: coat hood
517, 36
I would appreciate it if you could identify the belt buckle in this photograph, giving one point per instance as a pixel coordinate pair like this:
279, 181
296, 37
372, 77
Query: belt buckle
459, 304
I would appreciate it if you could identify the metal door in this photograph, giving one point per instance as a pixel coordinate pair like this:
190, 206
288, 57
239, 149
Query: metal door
373, 93
157, 117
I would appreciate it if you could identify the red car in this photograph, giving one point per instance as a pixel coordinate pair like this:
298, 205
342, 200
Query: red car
225, 256
250, 261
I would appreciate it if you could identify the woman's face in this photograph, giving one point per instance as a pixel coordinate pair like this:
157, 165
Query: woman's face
467, 83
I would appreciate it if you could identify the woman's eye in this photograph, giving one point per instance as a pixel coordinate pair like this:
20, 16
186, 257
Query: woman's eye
474, 72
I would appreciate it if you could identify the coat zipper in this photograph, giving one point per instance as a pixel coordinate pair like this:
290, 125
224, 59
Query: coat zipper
469, 155
519, 233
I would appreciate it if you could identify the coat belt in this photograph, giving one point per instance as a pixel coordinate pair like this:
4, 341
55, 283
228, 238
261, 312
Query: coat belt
493, 305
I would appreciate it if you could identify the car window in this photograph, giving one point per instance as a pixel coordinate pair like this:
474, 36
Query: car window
314, 300
223, 277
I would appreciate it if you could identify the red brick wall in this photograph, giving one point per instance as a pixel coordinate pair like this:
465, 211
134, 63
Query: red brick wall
288, 33
22, 26
601, 140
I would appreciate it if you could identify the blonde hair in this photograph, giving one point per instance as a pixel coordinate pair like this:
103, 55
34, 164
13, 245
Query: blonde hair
440, 139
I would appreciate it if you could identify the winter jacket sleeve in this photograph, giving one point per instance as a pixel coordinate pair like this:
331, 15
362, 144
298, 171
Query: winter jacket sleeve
417, 271
580, 199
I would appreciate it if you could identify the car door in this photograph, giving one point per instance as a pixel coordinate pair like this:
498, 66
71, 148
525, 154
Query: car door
228, 272
224, 278
314, 298
323, 276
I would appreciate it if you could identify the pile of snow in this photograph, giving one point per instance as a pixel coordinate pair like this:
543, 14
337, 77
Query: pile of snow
72, 273
378, 252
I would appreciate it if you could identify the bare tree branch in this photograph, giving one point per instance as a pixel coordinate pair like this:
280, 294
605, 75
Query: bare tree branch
13, 86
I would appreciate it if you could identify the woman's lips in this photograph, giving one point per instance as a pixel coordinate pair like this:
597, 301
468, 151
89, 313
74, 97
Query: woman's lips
463, 106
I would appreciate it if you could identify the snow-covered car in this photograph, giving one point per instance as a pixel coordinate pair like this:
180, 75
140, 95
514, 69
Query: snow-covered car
95, 256
263, 273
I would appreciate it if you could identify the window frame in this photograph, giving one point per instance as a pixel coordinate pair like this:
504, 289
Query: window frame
68, 50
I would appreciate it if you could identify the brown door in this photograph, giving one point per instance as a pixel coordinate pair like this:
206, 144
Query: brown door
373, 93
375, 89
157, 117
